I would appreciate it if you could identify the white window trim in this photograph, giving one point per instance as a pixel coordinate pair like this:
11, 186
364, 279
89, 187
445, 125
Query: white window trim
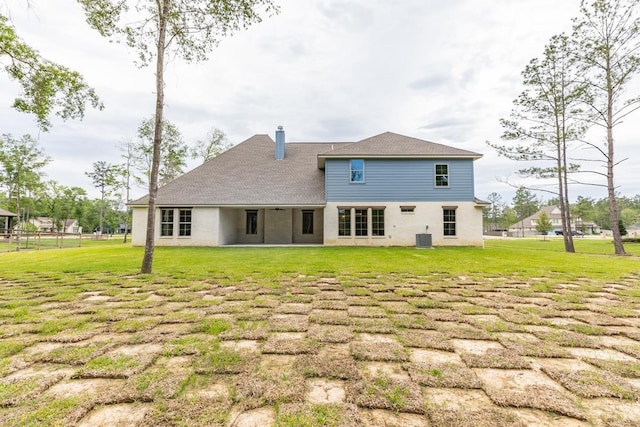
435, 175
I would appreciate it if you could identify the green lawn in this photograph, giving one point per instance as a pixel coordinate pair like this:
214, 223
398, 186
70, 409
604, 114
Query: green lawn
518, 258
516, 333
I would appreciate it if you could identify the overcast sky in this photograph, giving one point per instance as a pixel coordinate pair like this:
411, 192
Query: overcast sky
326, 70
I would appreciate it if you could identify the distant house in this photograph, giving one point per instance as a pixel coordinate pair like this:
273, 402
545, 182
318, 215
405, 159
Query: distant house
45, 224
380, 191
527, 226
6, 220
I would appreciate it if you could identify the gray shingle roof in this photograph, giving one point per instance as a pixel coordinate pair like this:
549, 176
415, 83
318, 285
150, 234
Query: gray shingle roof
391, 144
249, 175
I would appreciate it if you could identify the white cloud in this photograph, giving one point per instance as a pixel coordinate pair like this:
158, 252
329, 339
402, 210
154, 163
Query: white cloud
327, 70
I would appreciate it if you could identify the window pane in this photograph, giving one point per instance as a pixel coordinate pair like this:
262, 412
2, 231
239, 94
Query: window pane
166, 222
442, 175
344, 222
449, 222
307, 222
252, 222
357, 170
361, 222
377, 218
185, 222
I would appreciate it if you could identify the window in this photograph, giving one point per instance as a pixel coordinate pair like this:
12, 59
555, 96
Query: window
361, 222
252, 222
407, 209
184, 227
307, 222
377, 222
442, 175
166, 222
449, 222
357, 171
344, 222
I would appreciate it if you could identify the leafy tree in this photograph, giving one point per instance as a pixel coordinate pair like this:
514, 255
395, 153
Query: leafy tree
543, 224
607, 35
61, 202
214, 144
543, 124
525, 204
189, 29
125, 174
21, 163
621, 228
493, 213
173, 153
104, 179
47, 88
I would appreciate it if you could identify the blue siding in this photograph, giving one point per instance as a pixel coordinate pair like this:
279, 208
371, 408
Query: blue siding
397, 180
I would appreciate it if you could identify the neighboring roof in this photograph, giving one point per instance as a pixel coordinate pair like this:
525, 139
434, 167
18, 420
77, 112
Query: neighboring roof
553, 212
6, 213
391, 144
248, 174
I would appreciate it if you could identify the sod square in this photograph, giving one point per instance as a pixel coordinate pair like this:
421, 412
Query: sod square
380, 351
411, 321
594, 383
445, 375
293, 308
289, 343
329, 362
330, 333
366, 311
288, 323
329, 317
386, 418
499, 358
330, 305
385, 392
371, 325
310, 414
426, 339
528, 389
258, 389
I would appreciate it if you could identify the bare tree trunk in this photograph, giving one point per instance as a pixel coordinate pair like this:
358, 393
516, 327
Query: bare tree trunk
147, 261
611, 189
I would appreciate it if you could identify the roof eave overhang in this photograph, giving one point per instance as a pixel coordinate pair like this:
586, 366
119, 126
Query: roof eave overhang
235, 206
323, 157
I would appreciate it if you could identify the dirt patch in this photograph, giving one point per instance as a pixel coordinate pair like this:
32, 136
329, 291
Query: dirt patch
116, 415
434, 356
384, 369
322, 391
472, 417
89, 387
383, 418
606, 354
614, 412
249, 346
474, 346
462, 331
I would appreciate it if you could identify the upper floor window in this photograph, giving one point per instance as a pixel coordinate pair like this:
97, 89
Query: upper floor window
166, 222
357, 171
442, 175
184, 226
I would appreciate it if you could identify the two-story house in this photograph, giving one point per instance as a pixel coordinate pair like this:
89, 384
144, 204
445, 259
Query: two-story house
380, 191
